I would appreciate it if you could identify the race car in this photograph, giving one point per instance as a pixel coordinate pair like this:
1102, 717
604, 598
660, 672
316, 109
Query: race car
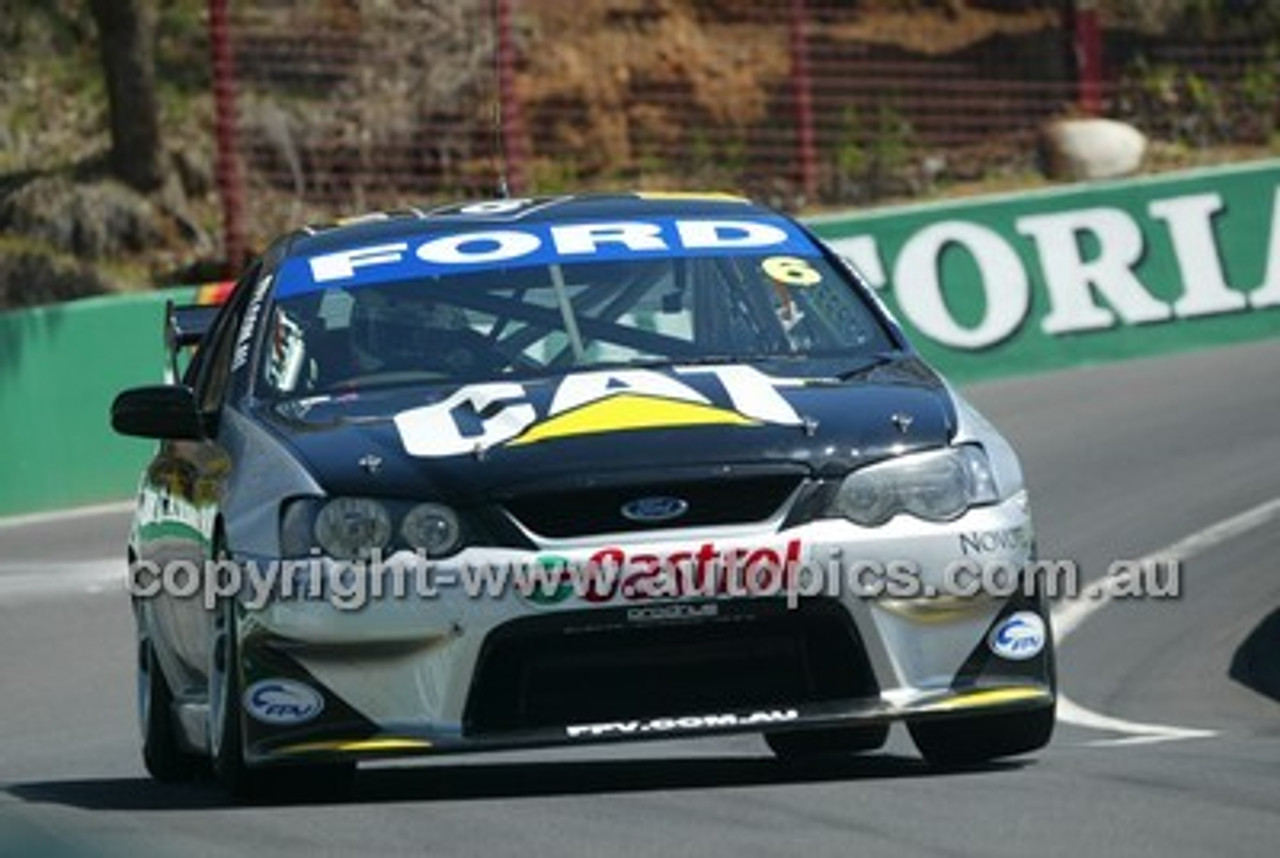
558, 470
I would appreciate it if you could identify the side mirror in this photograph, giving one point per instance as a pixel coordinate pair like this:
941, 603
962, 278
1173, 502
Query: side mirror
160, 411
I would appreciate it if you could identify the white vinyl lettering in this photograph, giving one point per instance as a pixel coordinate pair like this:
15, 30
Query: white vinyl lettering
1072, 281
432, 430
343, 264
1204, 285
1002, 281
586, 238
862, 252
495, 207
699, 234
751, 392
498, 412
581, 388
1268, 294
499, 245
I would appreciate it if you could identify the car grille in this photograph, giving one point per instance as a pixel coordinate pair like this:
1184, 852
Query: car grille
711, 501
589, 666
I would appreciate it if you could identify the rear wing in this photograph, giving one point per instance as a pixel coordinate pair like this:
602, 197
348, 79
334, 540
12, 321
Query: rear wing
186, 324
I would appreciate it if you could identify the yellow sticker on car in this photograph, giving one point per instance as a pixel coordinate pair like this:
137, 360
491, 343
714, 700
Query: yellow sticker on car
791, 271
628, 411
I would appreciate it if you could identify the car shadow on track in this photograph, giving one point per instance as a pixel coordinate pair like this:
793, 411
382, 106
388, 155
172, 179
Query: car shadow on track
1254, 663
447, 782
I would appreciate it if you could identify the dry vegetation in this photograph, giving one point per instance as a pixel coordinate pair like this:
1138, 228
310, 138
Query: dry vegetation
408, 84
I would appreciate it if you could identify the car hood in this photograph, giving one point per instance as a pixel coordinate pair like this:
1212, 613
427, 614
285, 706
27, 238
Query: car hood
574, 430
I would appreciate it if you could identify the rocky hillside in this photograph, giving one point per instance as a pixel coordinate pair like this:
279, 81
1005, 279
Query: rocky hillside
67, 228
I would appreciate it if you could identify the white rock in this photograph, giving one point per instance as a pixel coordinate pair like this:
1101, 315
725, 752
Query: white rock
1092, 148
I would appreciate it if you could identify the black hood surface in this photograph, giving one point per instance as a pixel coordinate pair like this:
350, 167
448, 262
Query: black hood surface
353, 445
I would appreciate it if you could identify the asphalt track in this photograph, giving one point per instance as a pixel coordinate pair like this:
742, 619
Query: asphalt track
1123, 461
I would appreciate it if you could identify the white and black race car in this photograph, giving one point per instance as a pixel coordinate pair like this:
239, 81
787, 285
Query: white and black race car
563, 470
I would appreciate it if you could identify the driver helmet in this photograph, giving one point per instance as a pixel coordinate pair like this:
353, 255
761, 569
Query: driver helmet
398, 331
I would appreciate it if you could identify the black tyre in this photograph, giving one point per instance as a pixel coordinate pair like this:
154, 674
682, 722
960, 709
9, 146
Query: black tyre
226, 745
226, 735
977, 739
828, 741
163, 754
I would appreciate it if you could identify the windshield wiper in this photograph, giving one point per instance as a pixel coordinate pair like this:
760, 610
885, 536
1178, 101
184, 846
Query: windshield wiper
686, 360
662, 362
864, 364
869, 363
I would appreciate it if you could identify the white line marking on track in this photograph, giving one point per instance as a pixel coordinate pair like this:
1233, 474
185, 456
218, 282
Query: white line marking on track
23, 580
1068, 616
54, 516
1136, 732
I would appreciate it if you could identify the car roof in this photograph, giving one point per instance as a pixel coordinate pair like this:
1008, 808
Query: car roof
390, 225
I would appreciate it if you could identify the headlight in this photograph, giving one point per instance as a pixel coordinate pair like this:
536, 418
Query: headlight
939, 485
353, 528
433, 528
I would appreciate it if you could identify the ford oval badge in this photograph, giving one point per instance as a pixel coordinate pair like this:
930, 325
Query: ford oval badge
650, 510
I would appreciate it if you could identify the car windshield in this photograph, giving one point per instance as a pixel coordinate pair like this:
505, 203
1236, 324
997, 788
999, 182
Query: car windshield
520, 322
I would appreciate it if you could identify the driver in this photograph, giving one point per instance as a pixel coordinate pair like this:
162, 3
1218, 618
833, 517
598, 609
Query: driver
407, 331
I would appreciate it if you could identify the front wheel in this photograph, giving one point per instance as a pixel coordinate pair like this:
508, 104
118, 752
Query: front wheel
226, 734
162, 751
977, 739
226, 746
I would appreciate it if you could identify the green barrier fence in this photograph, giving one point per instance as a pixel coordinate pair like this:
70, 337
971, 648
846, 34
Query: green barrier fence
60, 367
986, 286
1078, 274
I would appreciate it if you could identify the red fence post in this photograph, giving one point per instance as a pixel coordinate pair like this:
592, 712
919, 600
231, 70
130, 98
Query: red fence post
1087, 35
226, 159
801, 90
514, 155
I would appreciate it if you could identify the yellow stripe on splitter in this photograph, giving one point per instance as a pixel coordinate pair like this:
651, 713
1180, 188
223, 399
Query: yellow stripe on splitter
994, 697
358, 745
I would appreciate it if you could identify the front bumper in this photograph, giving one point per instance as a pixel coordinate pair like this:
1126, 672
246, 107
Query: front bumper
418, 675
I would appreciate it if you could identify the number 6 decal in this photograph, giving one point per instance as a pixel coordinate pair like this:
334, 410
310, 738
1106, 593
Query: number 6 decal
791, 271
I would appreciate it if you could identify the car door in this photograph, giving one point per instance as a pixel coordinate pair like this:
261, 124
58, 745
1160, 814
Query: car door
180, 504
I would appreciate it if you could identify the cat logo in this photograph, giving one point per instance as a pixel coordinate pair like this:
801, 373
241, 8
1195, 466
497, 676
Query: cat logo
591, 403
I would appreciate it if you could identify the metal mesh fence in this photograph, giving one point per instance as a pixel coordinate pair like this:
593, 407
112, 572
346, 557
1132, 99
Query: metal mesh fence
347, 105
